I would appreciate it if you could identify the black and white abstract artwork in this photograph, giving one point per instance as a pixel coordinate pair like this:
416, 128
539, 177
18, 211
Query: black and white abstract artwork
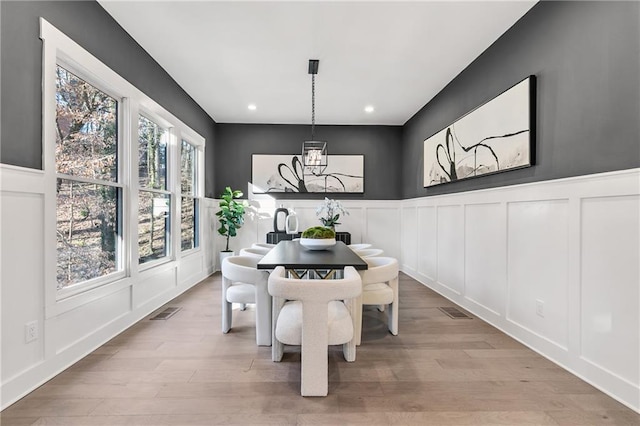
494, 137
285, 173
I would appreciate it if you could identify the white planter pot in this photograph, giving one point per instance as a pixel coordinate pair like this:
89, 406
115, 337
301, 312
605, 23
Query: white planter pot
224, 254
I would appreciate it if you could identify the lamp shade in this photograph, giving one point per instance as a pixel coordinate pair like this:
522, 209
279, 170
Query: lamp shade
314, 154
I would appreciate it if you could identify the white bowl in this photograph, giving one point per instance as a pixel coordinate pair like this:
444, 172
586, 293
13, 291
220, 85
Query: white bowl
318, 244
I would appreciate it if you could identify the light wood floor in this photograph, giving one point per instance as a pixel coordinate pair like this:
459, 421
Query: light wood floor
438, 371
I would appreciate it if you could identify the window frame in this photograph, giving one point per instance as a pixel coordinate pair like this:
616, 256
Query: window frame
196, 196
168, 191
59, 49
90, 77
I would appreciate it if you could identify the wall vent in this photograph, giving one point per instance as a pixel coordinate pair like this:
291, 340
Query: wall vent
166, 314
454, 313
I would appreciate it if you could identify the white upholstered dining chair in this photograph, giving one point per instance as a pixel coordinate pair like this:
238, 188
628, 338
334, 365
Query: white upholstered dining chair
252, 252
379, 287
263, 245
359, 246
371, 252
263, 250
314, 314
243, 283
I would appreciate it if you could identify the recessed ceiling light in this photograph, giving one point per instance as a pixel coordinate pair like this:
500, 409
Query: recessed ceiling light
369, 109
252, 107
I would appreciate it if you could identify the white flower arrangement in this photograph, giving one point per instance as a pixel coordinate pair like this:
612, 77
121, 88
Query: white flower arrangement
329, 212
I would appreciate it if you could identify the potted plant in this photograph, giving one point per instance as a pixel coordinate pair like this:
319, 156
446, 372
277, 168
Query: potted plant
230, 216
318, 238
329, 212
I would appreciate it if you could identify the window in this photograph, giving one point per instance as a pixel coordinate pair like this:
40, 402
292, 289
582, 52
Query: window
189, 202
87, 189
154, 211
122, 179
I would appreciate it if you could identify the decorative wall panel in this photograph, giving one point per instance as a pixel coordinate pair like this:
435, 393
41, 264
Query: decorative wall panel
427, 242
610, 284
571, 244
538, 267
450, 234
485, 256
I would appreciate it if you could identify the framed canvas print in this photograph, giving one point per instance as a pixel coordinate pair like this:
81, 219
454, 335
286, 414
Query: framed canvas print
495, 137
285, 173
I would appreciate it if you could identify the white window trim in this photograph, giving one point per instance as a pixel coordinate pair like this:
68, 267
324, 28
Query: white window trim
169, 190
198, 193
60, 49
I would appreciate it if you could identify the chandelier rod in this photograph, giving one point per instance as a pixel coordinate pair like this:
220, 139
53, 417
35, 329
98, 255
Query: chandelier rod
313, 70
313, 105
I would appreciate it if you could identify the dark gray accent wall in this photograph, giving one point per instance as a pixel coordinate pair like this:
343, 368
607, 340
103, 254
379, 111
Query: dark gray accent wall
586, 57
87, 23
380, 146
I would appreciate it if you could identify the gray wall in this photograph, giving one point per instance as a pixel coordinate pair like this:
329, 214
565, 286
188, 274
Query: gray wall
587, 62
380, 145
94, 29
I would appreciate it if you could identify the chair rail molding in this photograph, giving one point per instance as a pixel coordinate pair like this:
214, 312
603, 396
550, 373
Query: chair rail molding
554, 264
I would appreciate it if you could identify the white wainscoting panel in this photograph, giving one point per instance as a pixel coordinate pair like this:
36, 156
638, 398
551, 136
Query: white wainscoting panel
208, 236
190, 266
572, 244
450, 235
307, 217
610, 285
22, 279
75, 326
383, 229
427, 242
154, 283
485, 256
265, 225
353, 223
538, 236
409, 237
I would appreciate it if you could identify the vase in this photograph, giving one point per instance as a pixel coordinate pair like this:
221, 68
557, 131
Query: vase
276, 223
291, 223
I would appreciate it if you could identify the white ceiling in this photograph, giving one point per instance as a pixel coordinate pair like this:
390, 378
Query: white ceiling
393, 55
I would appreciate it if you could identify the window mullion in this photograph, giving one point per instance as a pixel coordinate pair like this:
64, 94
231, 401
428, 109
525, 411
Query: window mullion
174, 174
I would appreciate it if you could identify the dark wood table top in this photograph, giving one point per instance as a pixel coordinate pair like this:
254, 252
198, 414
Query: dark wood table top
292, 255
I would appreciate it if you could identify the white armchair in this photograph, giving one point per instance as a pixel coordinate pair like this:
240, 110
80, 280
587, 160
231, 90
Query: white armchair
379, 287
252, 252
370, 252
314, 314
243, 283
359, 246
263, 245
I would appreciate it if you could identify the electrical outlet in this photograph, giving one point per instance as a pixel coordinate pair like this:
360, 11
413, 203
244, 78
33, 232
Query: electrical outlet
30, 331
540, 308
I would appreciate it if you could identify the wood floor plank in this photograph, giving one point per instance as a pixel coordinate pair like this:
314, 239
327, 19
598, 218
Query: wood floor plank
437, 371
333, 419
472, 418
171, 420
17, 421
595, 418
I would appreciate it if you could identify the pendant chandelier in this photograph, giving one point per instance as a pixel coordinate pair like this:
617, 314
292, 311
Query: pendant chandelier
314, 153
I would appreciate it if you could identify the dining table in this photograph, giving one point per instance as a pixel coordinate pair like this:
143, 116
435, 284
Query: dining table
300, 261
